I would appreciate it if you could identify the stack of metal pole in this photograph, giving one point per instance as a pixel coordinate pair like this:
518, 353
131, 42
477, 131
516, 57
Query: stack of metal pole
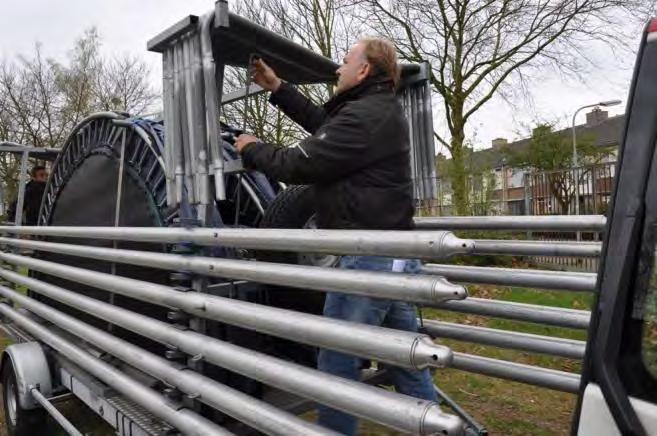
191, 112
416, 102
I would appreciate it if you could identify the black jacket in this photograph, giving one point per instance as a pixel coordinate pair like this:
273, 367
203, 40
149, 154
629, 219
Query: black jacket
357, 158
31, 203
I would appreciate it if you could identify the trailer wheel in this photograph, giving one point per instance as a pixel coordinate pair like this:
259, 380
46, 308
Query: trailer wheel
294, 208
19, 421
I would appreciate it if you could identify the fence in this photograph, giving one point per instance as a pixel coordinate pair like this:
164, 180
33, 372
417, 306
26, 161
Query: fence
585, 190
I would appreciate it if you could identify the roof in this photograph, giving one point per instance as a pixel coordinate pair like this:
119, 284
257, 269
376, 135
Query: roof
606, 134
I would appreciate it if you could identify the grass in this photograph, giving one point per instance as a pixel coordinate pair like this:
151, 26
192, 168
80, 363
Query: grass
503, 407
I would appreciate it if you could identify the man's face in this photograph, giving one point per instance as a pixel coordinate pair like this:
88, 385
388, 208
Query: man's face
41, 176
353, 70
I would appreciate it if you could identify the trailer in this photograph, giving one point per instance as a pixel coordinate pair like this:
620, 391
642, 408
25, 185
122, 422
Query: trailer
174, 292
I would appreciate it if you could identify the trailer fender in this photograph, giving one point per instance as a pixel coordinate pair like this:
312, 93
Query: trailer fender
31, 368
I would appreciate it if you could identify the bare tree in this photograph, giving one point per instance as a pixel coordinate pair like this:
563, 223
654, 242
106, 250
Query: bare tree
482, 48
41, 100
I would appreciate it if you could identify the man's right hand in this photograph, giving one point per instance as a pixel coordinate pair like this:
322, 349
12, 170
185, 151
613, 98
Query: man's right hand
263, 75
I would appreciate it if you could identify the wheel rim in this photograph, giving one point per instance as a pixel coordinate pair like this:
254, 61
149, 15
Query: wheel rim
10, 401
324, 260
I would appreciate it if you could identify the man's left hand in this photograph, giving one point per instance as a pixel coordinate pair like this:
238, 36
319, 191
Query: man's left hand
243, 140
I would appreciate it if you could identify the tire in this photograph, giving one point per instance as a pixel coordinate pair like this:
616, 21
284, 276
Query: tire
293, 208
19, 421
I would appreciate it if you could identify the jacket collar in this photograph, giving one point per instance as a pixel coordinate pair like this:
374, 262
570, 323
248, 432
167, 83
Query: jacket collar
371, 85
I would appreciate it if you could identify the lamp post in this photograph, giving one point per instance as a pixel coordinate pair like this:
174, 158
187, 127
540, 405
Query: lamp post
575, 163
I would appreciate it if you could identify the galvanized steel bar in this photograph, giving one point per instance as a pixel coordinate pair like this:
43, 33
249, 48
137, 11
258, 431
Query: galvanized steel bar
591, 223
179, 122
257, 414
52, 410
191, 143
533, 375
419, 244
391, 409
393, 286
569, 348
22, 182
556, 316
213, 109
183, 419
558, 280
407, 349
168, 103
537, 248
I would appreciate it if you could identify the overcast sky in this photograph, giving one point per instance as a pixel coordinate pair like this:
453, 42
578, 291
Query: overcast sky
126, 26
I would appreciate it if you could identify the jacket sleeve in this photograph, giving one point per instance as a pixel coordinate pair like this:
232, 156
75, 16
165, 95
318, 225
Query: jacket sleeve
337, 149
298, 107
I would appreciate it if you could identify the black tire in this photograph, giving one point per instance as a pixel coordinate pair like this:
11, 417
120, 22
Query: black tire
19, 421
292, 208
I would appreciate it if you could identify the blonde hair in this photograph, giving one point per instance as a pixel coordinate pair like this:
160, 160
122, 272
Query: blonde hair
381, 54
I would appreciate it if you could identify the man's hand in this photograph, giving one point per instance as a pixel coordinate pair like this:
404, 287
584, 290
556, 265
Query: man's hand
264, 76
243, 140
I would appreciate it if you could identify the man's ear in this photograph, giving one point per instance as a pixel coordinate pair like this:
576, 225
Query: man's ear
365, 70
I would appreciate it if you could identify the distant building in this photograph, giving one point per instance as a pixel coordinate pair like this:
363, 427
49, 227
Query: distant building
509, 192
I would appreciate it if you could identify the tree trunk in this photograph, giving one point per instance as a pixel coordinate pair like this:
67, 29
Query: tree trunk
458, 173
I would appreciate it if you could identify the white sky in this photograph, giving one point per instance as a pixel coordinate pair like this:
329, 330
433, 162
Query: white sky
126, 26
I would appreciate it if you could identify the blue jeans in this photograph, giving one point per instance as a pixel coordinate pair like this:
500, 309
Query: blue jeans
393, 314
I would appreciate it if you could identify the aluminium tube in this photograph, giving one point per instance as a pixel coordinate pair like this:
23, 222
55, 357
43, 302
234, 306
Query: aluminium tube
53, 412
556, 316
256, 413
533, 375
391, 409
416, 288
564, 223
537, 248
405, 244
410, 350
557, 280
199, 117
192, 138
561, 347
212, 107
168, 100
177, 127
183, 419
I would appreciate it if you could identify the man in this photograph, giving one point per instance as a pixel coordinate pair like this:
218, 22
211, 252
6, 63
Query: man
32, 200
358, 162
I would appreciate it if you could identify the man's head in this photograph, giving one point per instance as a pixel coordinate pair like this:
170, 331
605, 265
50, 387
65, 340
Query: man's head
39, 173
368, 57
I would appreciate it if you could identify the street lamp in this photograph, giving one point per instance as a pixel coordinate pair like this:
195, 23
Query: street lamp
603, 104
575, 163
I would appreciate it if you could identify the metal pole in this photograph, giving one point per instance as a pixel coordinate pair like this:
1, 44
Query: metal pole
393, 286
569, 348
592, 223
213, 108
391, 409
533, 375
183, 419
258, 414
422, 244
557, 280
568, 318
178, 127
537, 248
168, 103
20, 199
407, 349
52, 410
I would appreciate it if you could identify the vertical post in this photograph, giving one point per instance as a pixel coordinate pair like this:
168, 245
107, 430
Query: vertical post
117, 212
526, 182
20, 199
